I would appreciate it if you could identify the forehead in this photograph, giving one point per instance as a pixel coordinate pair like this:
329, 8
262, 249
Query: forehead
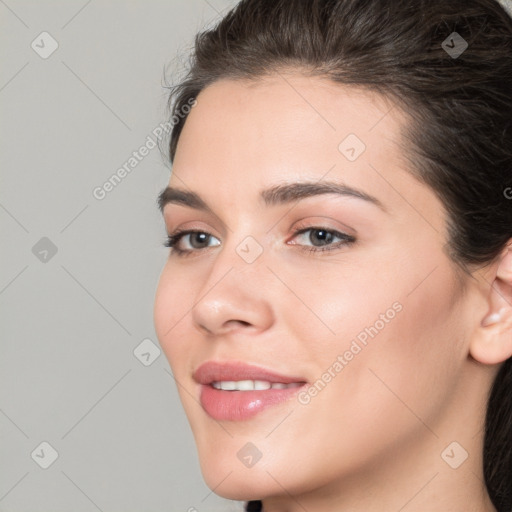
243, 136
282, 116
290, 103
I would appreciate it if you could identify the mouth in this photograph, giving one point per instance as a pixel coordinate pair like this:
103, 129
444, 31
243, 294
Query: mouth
238, 391
252, 385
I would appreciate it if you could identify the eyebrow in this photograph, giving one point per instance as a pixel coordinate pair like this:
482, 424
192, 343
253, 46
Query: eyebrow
276, 195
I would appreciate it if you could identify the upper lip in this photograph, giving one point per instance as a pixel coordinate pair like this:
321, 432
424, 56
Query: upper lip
215, 371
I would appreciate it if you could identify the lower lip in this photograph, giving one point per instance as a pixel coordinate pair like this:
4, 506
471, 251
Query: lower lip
241, 405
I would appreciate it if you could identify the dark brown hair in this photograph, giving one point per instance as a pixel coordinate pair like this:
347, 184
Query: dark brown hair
458, 140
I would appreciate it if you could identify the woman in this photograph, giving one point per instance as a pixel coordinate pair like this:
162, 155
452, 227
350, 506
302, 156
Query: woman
337, 302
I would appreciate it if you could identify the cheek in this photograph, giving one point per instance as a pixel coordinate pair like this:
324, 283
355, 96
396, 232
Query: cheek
401, 351
333, 302
397, 333
173, 301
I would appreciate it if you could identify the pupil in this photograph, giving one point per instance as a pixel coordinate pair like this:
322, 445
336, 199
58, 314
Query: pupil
197, 239
320, 237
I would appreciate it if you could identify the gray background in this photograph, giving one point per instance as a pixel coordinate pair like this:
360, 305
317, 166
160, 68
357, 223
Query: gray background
70, 321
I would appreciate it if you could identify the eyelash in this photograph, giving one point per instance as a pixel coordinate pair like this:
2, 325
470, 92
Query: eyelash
346, 240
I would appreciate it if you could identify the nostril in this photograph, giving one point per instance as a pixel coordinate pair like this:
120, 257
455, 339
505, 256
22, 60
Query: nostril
235, 323
204, 328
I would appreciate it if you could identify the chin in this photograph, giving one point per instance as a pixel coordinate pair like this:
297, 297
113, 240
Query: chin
241, 484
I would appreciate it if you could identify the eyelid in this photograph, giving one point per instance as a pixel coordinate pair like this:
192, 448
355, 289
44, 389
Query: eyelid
180, 215
324, 222
340, 234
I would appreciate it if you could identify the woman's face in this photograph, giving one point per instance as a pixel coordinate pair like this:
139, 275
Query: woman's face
346, 296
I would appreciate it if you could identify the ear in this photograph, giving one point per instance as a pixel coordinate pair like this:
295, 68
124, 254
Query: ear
491, 343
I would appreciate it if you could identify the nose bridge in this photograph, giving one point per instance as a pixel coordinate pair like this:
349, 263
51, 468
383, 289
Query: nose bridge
236, 288
242, 262
242, 255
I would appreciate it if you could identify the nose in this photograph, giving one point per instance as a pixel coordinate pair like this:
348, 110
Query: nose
236, 296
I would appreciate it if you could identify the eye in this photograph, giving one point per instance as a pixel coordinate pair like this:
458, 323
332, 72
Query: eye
312, 239
187, 242
321, 239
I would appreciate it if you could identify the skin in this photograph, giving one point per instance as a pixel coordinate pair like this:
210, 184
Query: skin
372, 438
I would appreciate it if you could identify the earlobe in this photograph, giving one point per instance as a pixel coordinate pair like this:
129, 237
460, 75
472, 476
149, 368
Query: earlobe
491, 342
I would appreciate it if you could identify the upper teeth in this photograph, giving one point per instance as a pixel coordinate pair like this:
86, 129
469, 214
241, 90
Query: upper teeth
251, 385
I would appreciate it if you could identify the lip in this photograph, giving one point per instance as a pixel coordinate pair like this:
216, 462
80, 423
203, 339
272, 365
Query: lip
240, 405
212, 371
